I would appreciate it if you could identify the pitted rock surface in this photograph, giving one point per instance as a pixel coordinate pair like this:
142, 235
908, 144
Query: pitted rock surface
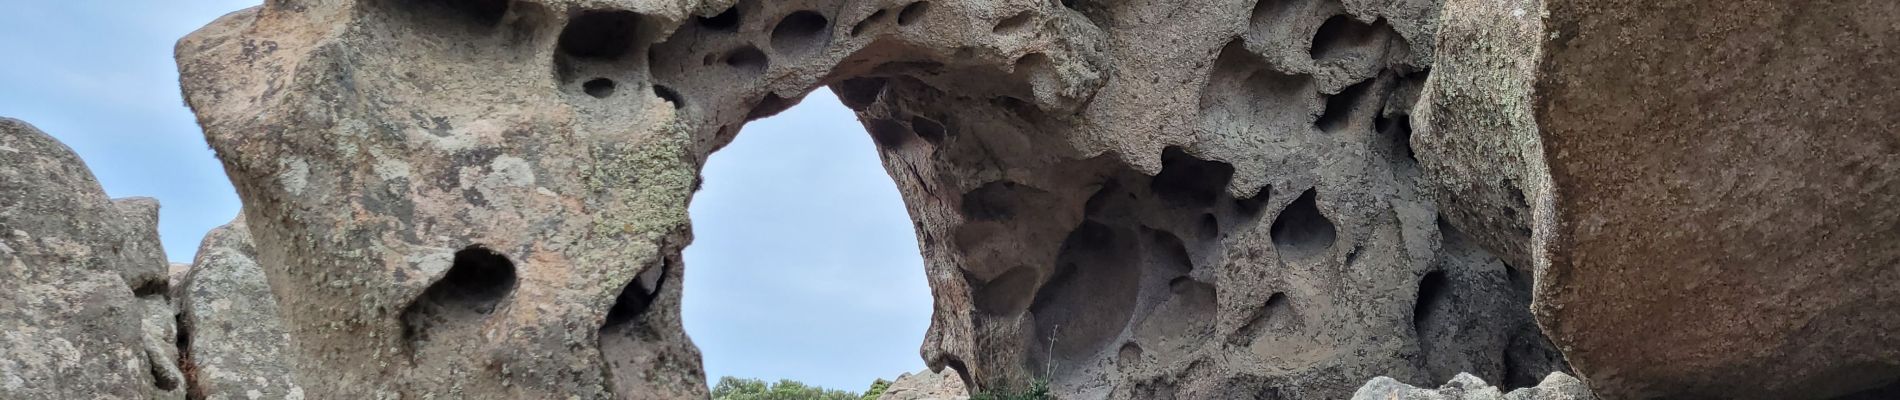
234, 338
83, 306
1215, 199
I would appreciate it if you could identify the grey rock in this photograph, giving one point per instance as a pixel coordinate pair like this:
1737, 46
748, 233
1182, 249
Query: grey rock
160, 327
1476, 135
927, 385
1128, 199
82, 306
1556, 386
175, 281
150, 277
235, 339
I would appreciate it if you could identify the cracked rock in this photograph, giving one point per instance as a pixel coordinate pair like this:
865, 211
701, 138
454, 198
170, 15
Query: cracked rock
83, 306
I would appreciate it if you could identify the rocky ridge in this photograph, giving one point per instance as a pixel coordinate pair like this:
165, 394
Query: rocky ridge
927, 385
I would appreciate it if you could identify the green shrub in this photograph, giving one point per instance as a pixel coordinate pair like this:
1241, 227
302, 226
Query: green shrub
730, 388
877, 389
1037, 390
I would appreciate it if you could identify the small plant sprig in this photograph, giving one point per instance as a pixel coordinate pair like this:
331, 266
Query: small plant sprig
1038, 388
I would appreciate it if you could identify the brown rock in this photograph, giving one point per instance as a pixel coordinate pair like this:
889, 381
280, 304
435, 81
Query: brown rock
1709, 197
1733, 183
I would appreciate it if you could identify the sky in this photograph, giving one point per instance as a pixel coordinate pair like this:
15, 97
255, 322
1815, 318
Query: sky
804, 264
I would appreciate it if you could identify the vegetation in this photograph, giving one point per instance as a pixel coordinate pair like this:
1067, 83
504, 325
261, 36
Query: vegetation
1038, 390
877, 389
730, 388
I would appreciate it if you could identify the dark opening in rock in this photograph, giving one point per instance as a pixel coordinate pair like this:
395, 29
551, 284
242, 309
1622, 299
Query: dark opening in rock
471, 289
1340, 107
1252, 206
1432, 291
1190, 181
1342, 33
1130, 354
472, 13
868, 21
600, 88
727, 21
636, 297
887, 133
1014, 23
927, 128
1301, 230
666, 93
747, 58
913, 12
858, 93
771, 105
1399, 128
600, 34
801, 31
151, 287
1267, 12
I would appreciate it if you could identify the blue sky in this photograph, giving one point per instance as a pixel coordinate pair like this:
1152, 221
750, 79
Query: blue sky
804, 266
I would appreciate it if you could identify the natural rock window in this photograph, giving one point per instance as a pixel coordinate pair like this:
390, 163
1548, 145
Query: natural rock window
455, 306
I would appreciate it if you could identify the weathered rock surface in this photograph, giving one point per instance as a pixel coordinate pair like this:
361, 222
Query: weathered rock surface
927, 385
158, 321
175, 278
235, 341
1711, 199
83, 312
1130, 199
1557, 386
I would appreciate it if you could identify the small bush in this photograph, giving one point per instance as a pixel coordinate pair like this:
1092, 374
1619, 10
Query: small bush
1037, 390
877, 389
730, 388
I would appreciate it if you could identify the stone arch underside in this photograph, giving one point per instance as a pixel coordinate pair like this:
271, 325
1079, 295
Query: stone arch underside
1129, 199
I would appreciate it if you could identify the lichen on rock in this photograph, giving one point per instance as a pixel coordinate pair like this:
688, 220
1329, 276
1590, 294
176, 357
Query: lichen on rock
1123, 199
84, 311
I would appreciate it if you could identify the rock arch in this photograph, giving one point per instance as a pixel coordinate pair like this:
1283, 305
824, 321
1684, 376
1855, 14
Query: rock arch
1095, 184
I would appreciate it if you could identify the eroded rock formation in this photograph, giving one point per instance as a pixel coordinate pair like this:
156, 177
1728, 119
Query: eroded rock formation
1128, 199
84, 311
1131, 200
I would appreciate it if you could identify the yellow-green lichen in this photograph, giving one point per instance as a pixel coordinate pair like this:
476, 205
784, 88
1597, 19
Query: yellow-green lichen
643, 187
